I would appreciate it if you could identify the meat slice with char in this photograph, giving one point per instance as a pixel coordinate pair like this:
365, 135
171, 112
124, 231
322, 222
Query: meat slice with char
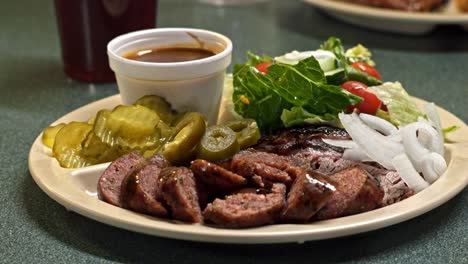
216, 176
110, 182
355, 193
247, 209
292, 140
179, 190
309, 193
140, 190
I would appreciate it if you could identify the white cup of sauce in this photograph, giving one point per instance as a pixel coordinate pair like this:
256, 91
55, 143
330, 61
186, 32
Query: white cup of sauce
187, 84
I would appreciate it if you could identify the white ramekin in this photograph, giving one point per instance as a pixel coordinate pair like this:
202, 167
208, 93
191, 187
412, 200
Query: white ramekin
188, 86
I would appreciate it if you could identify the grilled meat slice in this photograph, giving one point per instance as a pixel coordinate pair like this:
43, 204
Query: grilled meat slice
292, 140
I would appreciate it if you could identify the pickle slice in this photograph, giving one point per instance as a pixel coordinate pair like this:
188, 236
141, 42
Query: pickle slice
129, 126
68, 144
91, 120
185, 136
96, 151
218, 143
48, 136
159, 105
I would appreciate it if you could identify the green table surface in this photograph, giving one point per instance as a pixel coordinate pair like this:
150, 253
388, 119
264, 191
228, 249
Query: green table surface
35, 92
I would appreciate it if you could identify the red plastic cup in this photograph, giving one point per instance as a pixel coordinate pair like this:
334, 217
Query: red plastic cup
86, 26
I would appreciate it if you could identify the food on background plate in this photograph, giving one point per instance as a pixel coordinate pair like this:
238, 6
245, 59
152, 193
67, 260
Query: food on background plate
318, 135
405, 5
462, 5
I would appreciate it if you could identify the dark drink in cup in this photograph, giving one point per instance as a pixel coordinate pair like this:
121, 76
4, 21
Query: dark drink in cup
86, 26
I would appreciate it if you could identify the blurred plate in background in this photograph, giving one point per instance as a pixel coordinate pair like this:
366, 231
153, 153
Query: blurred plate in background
392, 20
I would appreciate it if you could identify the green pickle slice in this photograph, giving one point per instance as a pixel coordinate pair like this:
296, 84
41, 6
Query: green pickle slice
247, 132
68, 145
96, 151
48, 136
184, 138
158, 105
218, 143
129, 126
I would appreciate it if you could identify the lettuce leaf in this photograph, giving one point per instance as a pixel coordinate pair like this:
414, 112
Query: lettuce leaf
401, 108
299, 116
264, 96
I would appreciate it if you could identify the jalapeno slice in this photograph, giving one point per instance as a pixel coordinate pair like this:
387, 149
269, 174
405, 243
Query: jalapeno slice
48, 136
218, 143
186, 134
247, 132
158, 105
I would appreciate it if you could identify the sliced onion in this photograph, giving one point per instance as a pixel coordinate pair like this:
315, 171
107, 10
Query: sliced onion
379, 124
431, 112
356, 154
433, 166
429, 137
340, 143
375, 145
413, 147
408, 174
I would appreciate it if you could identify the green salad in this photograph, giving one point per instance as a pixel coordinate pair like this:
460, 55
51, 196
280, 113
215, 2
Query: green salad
311, 87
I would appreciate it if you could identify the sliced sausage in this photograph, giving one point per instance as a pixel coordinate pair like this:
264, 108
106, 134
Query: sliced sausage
247, 209
270, 166
179, 190
355, 193
110, 182
216, 176
309, 193
159, 161
140, 191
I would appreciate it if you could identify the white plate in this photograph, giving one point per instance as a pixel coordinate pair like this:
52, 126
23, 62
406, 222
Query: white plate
76, 190
392, 20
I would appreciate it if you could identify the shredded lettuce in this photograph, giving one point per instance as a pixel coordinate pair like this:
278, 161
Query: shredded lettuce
401, 108
448, 130
359, 53
264, 97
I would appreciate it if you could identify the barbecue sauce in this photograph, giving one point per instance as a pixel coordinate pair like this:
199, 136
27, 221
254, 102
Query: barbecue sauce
169, 54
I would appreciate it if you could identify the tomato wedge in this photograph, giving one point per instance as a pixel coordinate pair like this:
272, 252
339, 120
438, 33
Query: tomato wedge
371, 102
364, 67
262, 67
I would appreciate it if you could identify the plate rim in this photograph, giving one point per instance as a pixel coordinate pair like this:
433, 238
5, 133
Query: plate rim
100, 211
381, 13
